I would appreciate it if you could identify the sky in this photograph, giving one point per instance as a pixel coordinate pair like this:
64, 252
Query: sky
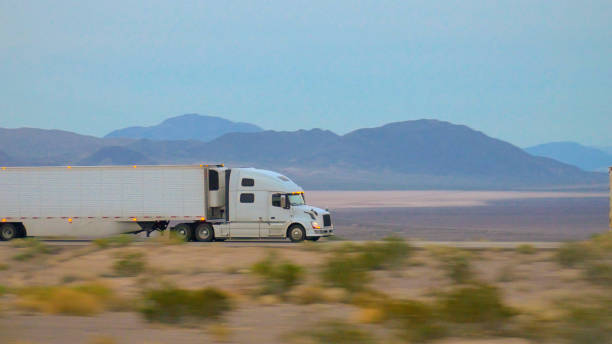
526, 72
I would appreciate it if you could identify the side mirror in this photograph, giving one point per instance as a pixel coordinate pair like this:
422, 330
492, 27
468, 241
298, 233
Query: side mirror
285, 202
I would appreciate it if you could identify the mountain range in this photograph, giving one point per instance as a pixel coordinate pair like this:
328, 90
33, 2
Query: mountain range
420, 154
186, 127
587, 158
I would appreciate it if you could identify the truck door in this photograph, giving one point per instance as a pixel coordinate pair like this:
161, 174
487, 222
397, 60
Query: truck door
249, 212
277, 216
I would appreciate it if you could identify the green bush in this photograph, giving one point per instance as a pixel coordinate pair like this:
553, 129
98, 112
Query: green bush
115, 241
391, 253
129, 264
587, 321
343, 271
32, 248
333, 332
174, 305
474, 304
278, 277
573, 253
599, 273
525, 249
3, 290
416, 321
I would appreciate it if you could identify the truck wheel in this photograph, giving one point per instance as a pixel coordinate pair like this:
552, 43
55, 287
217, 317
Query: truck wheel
204, 232
183, 231
8, 231
296, 233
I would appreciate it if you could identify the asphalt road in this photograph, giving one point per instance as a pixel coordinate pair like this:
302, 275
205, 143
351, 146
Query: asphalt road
472, 245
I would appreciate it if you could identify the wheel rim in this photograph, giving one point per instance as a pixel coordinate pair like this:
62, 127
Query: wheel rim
182, 232
296, 234
204, 233
7, 232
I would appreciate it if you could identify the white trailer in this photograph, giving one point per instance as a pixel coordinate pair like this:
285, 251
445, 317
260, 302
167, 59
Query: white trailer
205, 202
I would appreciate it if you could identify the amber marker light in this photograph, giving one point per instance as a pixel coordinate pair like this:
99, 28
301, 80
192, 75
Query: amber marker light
202, 219
70, 219
3, 220
68, 166
134, 219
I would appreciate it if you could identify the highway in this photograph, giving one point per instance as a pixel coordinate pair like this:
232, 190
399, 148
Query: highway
470, 245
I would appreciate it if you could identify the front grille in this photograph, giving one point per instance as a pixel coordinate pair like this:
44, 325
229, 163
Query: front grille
326, 220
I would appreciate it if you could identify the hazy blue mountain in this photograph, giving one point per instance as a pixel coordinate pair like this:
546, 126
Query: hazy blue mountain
421, 154
51, 147
607, 149
587, 158
186, 127
115, 155
7, 160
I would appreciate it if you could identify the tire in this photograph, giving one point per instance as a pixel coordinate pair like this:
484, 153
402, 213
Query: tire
8, 231
296, 233
184, 231
314, 238
204, 232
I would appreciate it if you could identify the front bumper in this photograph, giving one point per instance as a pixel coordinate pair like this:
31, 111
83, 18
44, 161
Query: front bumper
325, 231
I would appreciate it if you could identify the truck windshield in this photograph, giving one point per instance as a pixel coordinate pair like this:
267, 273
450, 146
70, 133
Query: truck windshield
297, 199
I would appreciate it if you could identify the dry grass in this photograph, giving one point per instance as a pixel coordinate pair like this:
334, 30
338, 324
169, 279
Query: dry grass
87, 299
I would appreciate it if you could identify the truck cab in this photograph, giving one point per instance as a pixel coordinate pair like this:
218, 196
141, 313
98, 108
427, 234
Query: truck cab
264, 204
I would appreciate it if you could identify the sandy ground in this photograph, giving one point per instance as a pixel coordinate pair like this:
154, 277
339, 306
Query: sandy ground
532, 281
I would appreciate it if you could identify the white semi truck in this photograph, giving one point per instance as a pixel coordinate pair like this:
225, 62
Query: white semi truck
202, 202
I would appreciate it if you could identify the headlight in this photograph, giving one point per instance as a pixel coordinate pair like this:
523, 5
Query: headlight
315, 225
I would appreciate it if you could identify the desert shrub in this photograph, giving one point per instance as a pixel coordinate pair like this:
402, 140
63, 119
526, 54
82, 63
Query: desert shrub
32, 248
474, 304
3, 290
115, 241
587, 321
129, 264
391, 253
573, 253
169, 237
343, 271
173, 305
333, 332
599, 273
80, 300
278, 277
525, 249
306, 295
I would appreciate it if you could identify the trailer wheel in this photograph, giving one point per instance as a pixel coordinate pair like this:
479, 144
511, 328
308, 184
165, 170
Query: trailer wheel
8, 231
183, 231
204, 232
296, 233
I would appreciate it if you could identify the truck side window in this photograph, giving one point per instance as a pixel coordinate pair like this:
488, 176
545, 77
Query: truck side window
247, 198
248, 182
276, 200
213, 180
